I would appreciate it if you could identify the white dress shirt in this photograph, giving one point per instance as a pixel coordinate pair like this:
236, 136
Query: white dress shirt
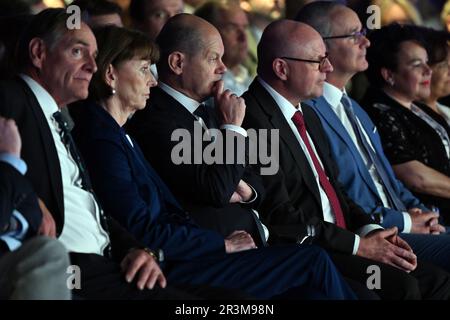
333, 96
82, 231
191, 105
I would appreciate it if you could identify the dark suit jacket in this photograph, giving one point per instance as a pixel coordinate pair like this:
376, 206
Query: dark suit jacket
293, 200
203, 189
131, 191
16, 194
18, 102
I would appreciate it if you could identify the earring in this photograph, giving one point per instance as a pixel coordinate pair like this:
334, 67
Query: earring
113, 91
391, 82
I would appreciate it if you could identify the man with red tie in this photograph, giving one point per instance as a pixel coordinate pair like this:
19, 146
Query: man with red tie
304, 202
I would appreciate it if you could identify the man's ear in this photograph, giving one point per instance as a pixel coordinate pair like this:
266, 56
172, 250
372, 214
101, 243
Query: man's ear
110, 76
280, 68
176, 62
37, 51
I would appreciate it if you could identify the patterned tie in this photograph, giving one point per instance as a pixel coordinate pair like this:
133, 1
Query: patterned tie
372, 156
323, 179
67, 139
64, 125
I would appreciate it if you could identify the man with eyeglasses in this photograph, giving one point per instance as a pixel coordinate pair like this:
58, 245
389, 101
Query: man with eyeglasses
304, 194
365, 172
354, 36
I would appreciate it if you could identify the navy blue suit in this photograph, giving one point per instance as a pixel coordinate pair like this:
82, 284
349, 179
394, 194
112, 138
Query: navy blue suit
132, 192
355, 178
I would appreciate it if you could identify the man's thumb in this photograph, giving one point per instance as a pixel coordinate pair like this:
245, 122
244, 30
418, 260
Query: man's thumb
390, 232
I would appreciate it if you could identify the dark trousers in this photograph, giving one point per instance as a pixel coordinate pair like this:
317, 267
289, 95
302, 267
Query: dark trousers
433, 249
361, 291
292, 271
426, 282
102, 278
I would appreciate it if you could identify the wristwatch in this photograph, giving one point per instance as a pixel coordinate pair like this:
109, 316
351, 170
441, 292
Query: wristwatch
158, 255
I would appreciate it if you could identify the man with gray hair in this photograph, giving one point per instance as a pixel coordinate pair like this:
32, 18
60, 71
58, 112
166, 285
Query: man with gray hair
305, 194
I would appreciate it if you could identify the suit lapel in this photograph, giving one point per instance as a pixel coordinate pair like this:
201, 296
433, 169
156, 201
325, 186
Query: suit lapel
175, 109
278, 121
321, 106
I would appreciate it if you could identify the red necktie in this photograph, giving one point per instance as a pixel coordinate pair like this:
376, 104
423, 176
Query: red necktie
324, 182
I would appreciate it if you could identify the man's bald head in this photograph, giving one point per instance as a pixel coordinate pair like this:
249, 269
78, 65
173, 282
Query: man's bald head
185, 33
284, 38
292, 60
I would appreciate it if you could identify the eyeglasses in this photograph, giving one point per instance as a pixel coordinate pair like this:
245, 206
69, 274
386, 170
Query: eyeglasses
321, 62
355, 36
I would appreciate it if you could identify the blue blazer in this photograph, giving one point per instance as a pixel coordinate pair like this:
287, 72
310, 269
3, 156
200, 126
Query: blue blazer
132, 192
16, 193
353, 174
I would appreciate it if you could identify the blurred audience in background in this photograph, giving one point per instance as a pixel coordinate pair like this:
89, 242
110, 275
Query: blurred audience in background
100, 12
232, 23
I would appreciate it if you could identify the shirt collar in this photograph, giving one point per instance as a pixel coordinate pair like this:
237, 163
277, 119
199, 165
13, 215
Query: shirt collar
285, 106
332, 94
190, 104
45, 100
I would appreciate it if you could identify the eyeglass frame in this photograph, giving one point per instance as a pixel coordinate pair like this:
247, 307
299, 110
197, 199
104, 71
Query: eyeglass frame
321, 62
355, 35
